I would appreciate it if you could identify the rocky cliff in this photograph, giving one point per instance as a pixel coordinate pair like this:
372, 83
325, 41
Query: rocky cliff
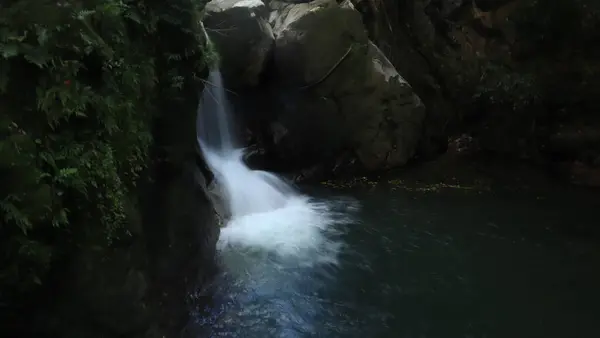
520, 77
515, 78
105, 221
316, 93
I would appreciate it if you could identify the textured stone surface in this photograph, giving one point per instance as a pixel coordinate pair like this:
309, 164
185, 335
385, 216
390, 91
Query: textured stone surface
340, 95
242, 37
511, 73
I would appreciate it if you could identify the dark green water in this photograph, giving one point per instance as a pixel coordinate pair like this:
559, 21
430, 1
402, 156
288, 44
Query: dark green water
445, 264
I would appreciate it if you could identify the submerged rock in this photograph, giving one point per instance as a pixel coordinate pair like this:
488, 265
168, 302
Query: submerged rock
243, 38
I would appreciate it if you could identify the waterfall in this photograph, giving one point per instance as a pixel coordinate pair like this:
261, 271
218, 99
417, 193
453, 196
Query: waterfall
265, 212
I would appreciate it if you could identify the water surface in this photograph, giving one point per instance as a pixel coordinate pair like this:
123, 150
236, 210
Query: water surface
448, 263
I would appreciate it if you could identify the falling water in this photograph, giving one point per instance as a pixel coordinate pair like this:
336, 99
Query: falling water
266, 213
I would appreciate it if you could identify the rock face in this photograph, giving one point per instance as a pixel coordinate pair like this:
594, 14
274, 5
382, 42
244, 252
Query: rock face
105, 226
516, 75
335, 99
519, 77
139, 286
243, 38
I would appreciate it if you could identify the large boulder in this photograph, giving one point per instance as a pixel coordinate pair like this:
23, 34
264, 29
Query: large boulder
312, 37
242, 36
338, 93
395, 130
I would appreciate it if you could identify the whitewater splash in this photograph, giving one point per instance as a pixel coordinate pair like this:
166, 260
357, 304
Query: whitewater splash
266, 213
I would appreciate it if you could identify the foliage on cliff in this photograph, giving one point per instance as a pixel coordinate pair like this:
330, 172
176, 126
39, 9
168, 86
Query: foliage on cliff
547, 79
81, 85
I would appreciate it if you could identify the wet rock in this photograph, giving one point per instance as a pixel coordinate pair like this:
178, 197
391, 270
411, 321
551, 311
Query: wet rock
312, 37
396, 128
137, 285
391, 26
338, 93
243, 38
510, 73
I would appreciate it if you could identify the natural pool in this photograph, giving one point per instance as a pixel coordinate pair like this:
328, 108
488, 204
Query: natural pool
424, 262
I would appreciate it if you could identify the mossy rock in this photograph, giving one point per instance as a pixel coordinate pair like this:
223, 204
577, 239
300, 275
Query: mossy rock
84, 90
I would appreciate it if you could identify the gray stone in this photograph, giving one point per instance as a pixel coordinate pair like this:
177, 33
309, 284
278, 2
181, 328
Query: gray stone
242, 37
396, 128
310, 38
342, 92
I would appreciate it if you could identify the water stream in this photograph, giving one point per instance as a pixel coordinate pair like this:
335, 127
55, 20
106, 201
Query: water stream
266, 214
406, 264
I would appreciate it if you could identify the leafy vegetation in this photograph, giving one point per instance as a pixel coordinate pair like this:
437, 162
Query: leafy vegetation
81, 85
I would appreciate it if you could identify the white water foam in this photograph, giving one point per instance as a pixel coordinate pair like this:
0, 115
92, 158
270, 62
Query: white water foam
266, 213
